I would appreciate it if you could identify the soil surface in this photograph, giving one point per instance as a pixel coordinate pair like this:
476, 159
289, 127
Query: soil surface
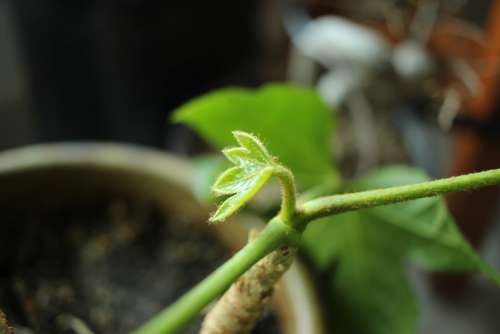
100, 269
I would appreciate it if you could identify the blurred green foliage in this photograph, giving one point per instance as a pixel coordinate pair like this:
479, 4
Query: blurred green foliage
294, 122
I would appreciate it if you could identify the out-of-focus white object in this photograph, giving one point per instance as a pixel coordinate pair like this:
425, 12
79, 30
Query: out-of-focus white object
337, 84
412, 61
301, 70
331, 40
449, 109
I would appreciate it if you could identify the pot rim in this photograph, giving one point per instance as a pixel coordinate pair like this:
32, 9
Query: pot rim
296, 302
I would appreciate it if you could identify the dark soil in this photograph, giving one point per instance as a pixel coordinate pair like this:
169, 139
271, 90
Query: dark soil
107, 268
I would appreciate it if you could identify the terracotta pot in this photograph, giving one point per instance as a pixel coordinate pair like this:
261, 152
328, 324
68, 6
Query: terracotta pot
55, 175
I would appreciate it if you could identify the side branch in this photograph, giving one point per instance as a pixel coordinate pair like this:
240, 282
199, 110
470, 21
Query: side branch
329, 205
288, 193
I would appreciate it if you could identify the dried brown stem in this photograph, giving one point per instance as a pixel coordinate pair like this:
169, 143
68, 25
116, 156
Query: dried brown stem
239, 309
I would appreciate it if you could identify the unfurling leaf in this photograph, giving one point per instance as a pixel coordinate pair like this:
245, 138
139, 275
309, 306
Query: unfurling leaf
253, 167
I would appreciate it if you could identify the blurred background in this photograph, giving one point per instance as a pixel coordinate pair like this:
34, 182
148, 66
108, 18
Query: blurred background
412, 81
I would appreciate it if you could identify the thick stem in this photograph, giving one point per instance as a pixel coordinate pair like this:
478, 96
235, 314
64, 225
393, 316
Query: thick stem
241, 307
288, 193
330, 205
172, 319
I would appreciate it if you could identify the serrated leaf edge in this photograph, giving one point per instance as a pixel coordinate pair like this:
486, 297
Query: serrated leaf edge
244, 196
245, 138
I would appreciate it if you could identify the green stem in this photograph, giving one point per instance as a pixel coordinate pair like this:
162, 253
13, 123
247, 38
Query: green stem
172, 319
288, 193
283, 230
328, 187
330, 205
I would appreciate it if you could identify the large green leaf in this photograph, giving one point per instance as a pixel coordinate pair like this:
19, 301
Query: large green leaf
432, 238
295, 123
370, 286
370, 291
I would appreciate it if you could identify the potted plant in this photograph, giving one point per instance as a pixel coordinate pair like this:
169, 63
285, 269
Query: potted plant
99, 237
367, 227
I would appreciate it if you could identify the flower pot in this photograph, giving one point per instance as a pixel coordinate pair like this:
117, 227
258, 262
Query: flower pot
99, 223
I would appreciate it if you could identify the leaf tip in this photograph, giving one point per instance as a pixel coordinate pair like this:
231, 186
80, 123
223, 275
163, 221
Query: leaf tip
237, 133
217, 217
212, 220
253, 144
235, 154
240, 136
